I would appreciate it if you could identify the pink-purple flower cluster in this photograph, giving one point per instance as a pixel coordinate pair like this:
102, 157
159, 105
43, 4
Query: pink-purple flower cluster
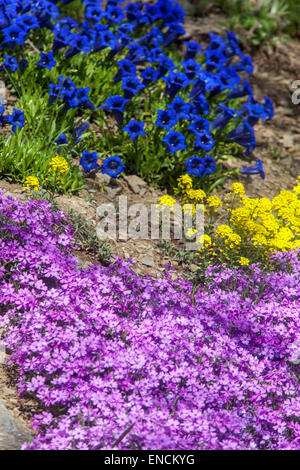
111, 354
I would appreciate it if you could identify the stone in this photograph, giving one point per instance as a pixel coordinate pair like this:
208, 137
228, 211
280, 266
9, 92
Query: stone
13, 433
135, 183
102, 178
147, 260
194, 268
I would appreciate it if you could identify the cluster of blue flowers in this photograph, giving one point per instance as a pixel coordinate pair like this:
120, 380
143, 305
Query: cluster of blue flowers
191, 90
16, 119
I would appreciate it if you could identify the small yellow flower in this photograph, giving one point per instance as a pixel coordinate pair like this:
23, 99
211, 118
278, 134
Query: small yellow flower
31, 182
244, 261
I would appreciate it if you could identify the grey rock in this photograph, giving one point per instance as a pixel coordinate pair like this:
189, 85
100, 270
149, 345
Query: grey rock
135, 183
13, 433
194, 268
102, 178
147, 260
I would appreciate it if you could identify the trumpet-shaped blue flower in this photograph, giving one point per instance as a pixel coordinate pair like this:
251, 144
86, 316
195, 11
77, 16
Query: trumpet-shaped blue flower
149, 75
126, 69
204, 141
256, 169
166, 118
89, 161
181, 109
243, 90
62, 139
175, 81
224, 117
9, 63
244, 135
79, 131
134, 129
131, 86
199, 125
192, 48
46, 61
113, 166
115, 104
194, 166
16, 119
175, 141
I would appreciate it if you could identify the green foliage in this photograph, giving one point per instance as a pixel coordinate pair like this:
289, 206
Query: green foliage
263, 19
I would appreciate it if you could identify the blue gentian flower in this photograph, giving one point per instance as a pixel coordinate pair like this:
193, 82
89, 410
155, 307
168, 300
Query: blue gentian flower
244, 65
175, 141
131, 86
114, 14
149, 75
94, 13
199, 125
29, 22
191, 68
126, 69
80, 98
134, 129
137, 54
192, 48
214, 58
89, 161
46, 61
173, 33
243, 90
256, 169
200, 106
103, 39
268, 107
113, 166
133, 12
60, 39
155, 54
195, 166
209, 164
78, 131
151, 12
175, 81
62, 139
154, 38
216, 42
211, 80
78, 43
115, 105
180, 108
165, 64
16, 119
224, 117
204, 141
244, 135
10, 64
13, 35
166, 118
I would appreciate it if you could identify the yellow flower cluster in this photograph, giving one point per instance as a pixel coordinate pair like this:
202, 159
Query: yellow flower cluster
32, 183
252, 228
58, 164
166, 201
